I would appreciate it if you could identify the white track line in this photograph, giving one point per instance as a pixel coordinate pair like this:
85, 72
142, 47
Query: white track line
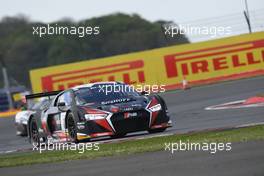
229, 105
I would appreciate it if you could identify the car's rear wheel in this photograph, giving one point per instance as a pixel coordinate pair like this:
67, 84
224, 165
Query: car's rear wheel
34, 134
158, 130
72, 131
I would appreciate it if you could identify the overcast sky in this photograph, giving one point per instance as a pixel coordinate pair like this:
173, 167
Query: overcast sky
184, 12
176, 10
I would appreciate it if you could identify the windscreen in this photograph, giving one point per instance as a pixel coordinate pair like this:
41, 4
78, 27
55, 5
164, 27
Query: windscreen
104, 93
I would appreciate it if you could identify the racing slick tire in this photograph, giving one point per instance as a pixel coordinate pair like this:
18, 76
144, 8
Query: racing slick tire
21, 130
33, 132
72, 129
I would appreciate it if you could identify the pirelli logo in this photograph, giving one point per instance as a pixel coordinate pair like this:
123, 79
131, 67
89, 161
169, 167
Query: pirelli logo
130, 72
233, 57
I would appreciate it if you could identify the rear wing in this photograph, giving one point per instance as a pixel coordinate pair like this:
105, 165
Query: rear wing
44, 94
33, 101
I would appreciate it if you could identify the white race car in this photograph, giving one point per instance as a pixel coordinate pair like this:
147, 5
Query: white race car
21, 118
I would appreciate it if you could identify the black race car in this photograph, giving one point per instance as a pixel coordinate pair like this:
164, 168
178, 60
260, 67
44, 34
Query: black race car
94, 110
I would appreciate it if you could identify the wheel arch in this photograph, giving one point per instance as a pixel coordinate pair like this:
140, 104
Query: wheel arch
161, 101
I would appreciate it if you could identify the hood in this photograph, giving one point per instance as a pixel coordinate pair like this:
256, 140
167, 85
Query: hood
120, 105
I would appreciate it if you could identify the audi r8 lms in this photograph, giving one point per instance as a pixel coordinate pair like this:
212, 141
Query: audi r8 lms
94, 110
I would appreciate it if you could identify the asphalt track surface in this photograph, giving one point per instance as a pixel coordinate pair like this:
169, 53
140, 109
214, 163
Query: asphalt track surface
186, 108
245, 159
187, 114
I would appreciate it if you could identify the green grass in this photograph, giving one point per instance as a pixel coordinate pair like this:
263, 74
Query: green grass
134, 146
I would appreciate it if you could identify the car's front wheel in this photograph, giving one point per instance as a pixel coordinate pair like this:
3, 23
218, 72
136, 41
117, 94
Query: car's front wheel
21, 130
72, 130
34, 134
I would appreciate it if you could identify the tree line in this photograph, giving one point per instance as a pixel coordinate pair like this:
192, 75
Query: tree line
119, 34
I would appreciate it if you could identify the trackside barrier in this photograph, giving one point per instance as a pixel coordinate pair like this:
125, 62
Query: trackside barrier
9, 113
199, 63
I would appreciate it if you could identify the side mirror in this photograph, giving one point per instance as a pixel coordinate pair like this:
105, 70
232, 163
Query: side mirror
62, 106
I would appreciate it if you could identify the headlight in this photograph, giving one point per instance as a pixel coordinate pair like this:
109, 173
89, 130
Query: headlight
155, 108
95, 116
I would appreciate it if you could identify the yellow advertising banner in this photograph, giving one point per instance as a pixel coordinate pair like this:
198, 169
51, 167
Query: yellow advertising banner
210, 61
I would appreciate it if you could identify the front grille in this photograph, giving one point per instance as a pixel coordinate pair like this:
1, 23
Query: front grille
130, 124
95, 128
